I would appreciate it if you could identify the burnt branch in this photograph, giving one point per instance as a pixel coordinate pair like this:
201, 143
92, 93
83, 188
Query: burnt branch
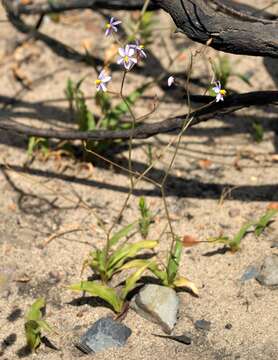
225, 28
232, 103
47, 7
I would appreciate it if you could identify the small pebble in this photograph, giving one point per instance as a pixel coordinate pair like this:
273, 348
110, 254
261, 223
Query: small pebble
268, 274
250, 273
103, 334
274, 245
202, 325
228, 326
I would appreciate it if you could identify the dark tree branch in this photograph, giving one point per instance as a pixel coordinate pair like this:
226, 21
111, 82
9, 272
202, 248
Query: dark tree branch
232, 103
47, 7
227, 32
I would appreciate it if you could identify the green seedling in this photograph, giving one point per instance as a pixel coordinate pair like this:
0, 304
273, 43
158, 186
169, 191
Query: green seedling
113, 258
252, 226
37, 144
34, 325
106, 262
108, 294
257, 131
77, 104
169, 276
145, 218
265, 221
233, 243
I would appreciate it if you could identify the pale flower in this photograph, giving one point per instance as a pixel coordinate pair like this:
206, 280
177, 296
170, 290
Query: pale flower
139, 48
102, 81
111, 26
127, 57
220, 93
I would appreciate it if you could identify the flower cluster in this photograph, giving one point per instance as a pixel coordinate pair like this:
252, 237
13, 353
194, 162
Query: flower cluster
129, 55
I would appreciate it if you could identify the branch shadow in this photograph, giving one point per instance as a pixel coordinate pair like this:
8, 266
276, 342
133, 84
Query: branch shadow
176, 186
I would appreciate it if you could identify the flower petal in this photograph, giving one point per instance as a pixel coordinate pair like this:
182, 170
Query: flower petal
106, 79
120, 61
122, 52
130, 51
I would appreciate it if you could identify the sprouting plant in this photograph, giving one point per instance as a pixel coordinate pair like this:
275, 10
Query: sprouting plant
38, 144
145, 218
169, 274
77, 104
264, 221
106, 262
109, 294
34, 324
252, 226
257, 131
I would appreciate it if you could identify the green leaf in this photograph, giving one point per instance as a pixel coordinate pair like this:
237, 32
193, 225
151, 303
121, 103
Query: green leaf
103, 100
264, 221
146, 218
152, 266
121, 233
44, 325
234, 244
184, 282
35, 311
258, 131
132, 280
160, 274
174, 261
128, 251
103, 291
32, 334
136, 263
34, 324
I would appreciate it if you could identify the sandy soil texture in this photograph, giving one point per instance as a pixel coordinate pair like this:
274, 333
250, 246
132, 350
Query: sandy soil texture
222, 177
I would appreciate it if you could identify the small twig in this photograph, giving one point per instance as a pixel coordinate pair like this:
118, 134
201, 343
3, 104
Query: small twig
59, 234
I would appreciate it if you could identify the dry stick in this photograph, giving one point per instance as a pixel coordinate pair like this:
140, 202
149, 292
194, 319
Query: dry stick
58, 234
185, 126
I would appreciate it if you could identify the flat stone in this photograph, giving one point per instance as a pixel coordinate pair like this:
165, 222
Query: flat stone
268, 274
250, 273
274, 245
103, 334
158, 304
202, 325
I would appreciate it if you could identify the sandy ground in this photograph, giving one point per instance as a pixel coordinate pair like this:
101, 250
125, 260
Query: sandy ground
221, 178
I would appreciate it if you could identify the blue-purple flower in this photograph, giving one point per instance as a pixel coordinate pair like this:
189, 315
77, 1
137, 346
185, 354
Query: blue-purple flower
139, 49
111, 26
220, 93
127, 57
102, 81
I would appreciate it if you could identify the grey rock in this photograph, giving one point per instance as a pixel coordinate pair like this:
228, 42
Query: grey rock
158, 304
202, 325
274, 245
103, 334
250, 273
268, 274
